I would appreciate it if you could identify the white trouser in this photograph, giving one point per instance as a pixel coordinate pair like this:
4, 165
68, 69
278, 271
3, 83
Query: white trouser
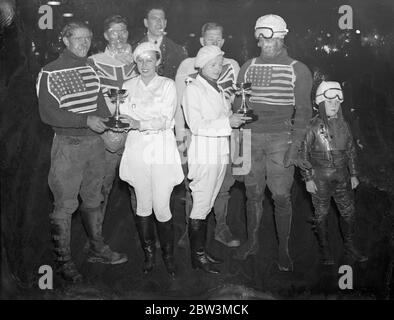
147, 165
205, 185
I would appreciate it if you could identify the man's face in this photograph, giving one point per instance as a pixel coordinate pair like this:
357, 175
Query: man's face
79, 42
332, 107
213, 68
156, 22
212, 37
270, 47
116, 35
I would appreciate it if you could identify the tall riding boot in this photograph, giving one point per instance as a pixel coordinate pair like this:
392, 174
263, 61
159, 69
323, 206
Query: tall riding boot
197, 236
348, 237
283, 215
183, 241
146, 231
61, 235
99, 251
321, 232
254, 213
165, 231
222, 231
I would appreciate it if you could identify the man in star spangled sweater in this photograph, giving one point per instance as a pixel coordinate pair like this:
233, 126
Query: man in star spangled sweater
280, 97
70, 102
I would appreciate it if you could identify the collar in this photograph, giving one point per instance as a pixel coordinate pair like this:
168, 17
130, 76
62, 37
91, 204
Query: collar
156, 42
150, 82
72, 56
281, 56
212, 83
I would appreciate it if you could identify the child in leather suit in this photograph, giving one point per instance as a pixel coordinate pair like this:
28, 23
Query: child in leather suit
329, 147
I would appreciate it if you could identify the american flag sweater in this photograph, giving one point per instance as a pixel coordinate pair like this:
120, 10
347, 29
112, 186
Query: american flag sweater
281, 94
68, 92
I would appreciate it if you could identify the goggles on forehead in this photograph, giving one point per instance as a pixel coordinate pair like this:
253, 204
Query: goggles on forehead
267, 32
332, 94
120, 32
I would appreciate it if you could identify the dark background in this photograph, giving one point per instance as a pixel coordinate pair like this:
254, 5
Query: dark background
363, 62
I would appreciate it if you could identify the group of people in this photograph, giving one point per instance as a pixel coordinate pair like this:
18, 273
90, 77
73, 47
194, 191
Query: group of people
177, 105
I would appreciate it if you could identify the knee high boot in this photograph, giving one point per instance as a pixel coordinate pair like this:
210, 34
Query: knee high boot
99, 252
222, 231
254, 213
197, 235
283, 216
165, 231
348, 237
183, 241
146, 231
321, 232
61, 236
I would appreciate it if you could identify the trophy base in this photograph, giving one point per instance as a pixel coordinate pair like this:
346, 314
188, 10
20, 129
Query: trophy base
114, 123
249, 114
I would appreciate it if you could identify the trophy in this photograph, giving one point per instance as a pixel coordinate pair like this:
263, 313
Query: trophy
117, 96
243, 89
241, 161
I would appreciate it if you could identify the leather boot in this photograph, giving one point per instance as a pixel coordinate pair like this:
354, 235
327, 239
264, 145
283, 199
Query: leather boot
61, 235
165, 231
222, 231
146, 231
99, 252
254, 213
283, 215
348, 237
183, 240
321, 232
197, 236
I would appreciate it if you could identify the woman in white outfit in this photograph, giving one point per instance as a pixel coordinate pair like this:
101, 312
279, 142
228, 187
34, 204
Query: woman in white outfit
151, 163
209, 117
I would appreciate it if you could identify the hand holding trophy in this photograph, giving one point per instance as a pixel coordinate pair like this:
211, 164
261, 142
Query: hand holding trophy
243, 89
115, 123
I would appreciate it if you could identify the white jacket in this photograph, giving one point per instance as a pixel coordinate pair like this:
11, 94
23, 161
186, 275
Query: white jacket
154, 144
207, 114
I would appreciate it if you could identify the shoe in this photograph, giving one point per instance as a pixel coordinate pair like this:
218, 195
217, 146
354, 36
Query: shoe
224, 236
106, 256
99, 252
69, 272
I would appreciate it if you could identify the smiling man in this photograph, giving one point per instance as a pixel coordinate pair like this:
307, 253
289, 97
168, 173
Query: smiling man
114, 67
71, 103
172, 54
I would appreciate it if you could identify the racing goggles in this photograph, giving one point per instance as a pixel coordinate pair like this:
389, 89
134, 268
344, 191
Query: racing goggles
268, 33
118, 33
332, 93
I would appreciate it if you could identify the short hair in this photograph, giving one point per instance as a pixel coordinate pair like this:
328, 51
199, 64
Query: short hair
154, 6
69, 28
211, 26
114, 20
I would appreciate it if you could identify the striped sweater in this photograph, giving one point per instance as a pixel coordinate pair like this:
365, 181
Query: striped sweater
281, 89
68, 92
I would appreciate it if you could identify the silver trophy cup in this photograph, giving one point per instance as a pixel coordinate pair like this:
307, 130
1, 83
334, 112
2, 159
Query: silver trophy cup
117, 96
243, 89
